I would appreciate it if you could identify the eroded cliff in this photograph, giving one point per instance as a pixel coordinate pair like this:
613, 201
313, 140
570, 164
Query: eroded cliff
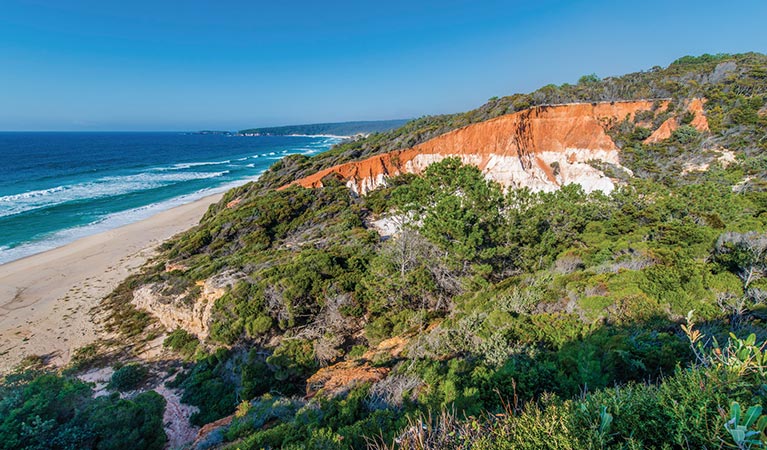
541, 148
189, 309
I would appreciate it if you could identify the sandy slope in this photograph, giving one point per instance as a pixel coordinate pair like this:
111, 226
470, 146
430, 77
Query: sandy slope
45, 299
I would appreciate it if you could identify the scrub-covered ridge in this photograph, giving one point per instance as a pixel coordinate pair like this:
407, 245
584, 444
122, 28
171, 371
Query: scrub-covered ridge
541, 148
587, 274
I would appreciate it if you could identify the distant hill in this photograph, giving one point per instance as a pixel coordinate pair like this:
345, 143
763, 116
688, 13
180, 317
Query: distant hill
336, 129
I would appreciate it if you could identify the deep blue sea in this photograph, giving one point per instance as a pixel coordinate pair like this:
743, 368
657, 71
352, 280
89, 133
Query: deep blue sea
58, 187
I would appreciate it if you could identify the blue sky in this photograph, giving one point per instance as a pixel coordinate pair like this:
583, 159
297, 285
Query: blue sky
187, 65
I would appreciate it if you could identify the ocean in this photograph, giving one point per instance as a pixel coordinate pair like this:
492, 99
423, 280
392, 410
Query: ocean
58, 187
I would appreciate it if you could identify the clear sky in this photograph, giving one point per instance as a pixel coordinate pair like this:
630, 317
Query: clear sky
188, 65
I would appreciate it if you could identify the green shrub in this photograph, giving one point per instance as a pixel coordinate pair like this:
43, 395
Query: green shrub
294, 358
356, 352
685, 134
128, 377
182, 341
45, 410
258, 326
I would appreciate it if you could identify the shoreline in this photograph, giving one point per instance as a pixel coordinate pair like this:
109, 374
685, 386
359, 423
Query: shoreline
46, 298
107, 223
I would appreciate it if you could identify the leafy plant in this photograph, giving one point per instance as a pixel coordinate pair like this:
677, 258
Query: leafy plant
747, 429
741, 357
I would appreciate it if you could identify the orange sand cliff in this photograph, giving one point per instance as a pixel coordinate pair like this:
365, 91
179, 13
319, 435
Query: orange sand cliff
664, 131
541, 148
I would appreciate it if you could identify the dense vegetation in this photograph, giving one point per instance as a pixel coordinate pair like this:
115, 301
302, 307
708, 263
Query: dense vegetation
524, 299
335, 129
492, 319
40, 410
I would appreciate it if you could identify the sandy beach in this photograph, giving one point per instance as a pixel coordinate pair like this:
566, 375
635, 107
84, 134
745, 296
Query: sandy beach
46, 299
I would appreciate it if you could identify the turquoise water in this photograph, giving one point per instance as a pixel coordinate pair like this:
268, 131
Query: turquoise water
58, 187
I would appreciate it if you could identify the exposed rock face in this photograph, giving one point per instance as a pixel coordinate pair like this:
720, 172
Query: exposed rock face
540, 148
343, 376
209, 428
234, 203
175, 311
699, 122
723, 156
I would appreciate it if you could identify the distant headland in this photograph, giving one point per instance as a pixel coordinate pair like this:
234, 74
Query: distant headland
341, 129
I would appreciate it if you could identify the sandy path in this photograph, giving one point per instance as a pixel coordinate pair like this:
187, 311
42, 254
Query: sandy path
176, 415
176, 418
45, 299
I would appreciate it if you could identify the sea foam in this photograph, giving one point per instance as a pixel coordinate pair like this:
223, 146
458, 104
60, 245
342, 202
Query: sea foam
103, 187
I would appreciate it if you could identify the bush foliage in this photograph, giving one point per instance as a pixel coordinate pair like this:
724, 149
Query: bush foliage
48, 411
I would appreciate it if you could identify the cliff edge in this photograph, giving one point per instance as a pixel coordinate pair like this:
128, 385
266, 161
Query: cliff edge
541, 148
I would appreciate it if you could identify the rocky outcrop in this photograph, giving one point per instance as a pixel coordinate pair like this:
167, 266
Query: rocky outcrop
702, 163
207, 429
234, 203
342, 376
540, 148
699, 122
188, 310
